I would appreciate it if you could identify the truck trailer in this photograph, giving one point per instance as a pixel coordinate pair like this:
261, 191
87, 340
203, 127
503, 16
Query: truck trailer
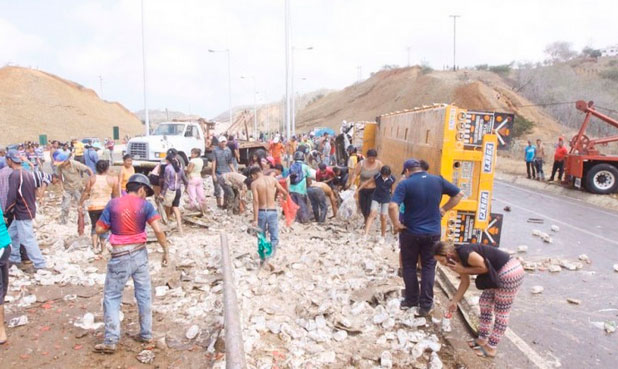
461, 146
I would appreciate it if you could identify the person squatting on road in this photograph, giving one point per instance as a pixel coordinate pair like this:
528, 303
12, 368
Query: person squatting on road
317, 193
384, 184
100, 188
265, 214
421, 194
70, 172
499, 276
126, 218
300, 179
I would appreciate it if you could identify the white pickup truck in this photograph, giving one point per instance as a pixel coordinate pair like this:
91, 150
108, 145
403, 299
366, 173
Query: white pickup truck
148, 151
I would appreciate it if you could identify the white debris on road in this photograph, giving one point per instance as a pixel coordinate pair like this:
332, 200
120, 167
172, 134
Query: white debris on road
537, 289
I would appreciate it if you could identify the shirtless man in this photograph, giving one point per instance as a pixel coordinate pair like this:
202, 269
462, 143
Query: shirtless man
264, 189
328, 192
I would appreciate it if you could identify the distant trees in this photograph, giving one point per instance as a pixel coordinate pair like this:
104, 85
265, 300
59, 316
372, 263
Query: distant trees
590, 52
560, 51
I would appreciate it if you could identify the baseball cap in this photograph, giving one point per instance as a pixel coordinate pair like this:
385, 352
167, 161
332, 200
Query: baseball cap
14, 156
60, 157
222, 139
409, 164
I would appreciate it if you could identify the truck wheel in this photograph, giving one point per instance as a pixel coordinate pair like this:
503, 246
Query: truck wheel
602, 179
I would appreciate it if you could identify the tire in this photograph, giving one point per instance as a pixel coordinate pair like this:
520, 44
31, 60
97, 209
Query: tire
185, 161
602, 179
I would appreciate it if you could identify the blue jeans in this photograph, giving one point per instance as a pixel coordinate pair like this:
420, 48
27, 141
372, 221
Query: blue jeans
411, 246
302, 216
268, 220
119, 269
21, 232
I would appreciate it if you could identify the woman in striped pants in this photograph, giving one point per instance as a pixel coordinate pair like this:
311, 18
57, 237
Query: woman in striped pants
498, 293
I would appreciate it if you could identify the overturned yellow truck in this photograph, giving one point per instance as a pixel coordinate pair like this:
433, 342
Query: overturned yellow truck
459, 144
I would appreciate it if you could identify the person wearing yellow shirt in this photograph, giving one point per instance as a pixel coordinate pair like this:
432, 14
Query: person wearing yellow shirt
126, 171
78, 151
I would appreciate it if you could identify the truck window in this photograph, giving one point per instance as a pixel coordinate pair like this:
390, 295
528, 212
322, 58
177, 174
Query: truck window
169, 129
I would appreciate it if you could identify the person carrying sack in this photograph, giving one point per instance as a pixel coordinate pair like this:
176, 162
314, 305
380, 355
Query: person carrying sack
499, 277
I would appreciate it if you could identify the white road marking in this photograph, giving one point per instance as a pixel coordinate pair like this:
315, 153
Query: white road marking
559, 221
573, 201
527, 350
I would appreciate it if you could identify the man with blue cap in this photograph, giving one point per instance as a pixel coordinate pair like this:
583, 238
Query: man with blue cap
421, 193
21, 208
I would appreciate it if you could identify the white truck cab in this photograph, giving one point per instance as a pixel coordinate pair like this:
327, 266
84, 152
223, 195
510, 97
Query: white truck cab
148, 151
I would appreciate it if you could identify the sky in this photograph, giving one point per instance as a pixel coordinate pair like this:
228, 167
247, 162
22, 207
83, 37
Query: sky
99, 45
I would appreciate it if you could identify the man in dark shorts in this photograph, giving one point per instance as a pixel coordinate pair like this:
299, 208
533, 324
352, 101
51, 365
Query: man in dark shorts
421, 193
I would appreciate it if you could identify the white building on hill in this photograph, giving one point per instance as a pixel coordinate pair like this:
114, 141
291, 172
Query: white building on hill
610, 51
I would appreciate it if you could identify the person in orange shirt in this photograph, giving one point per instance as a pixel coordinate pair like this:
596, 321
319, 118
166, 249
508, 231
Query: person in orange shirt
276, 149
559, 157
126, 171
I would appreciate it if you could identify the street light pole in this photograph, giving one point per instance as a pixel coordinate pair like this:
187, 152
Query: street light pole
147, 117
288, 104
293, 92
229, 80
454, 38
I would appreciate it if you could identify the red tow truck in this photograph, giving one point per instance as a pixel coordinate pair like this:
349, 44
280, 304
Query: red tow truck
585, 166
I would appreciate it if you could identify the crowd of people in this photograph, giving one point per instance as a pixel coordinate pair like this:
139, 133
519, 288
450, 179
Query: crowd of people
304, 170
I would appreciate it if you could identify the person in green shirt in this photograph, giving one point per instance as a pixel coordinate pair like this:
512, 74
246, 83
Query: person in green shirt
5, 252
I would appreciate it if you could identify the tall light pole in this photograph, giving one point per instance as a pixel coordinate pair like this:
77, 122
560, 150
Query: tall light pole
255, 134
454, 38
292, 88
294, 109
288, 87
229, 79
147, 117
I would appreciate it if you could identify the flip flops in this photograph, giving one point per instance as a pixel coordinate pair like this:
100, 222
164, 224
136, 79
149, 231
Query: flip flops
481, 352
473, 345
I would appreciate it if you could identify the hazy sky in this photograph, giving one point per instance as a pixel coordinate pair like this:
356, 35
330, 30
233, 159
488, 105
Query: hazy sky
82, 39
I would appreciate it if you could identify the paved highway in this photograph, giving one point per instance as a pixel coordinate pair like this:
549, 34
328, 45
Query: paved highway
550, 326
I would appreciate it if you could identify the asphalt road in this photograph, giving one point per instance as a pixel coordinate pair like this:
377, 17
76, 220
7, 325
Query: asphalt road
557, 330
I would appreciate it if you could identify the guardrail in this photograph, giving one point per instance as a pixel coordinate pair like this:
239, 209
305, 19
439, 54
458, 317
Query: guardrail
234, 347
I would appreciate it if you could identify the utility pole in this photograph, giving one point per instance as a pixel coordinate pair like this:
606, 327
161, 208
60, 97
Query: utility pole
100, 86
147, 117
288, 87
454, 38
293, 92
359, 73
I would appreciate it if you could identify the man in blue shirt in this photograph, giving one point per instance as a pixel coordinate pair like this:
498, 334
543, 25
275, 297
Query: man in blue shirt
421, 193
529, 154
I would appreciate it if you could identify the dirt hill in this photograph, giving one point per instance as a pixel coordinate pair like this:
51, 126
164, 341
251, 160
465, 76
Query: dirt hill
33, 102
399, 89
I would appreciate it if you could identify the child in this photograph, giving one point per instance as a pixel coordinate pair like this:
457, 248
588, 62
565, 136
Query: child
384, 187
